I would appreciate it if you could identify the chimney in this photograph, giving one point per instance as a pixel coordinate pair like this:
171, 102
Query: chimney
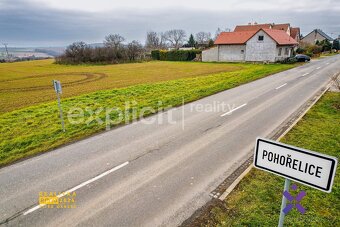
255, 23
249, 23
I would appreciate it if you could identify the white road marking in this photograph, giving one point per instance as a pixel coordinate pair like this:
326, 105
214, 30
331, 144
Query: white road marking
318, 67
281, 86
79, 186
327, 63
305, 74
230, 112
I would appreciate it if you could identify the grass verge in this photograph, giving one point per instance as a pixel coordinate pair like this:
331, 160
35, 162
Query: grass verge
35, 129
256, 200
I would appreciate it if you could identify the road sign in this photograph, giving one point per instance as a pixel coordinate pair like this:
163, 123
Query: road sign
307, 167
58, 91
57, 86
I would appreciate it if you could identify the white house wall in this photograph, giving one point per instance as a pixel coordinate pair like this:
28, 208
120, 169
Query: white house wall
210, 54
232, 53
283, 52
261, 50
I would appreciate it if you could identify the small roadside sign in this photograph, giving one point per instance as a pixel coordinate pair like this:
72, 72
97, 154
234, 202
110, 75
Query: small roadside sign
58, 91
307, 167
57, 86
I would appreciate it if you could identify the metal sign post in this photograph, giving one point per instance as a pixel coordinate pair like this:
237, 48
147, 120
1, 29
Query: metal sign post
310, 168
284, 203
57, 88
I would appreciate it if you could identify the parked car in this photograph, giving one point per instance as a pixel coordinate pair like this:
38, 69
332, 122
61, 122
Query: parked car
302, 58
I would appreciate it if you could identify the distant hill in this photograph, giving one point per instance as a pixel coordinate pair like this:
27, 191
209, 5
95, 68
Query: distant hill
40, 52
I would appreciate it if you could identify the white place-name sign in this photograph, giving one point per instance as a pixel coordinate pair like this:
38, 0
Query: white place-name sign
307, 167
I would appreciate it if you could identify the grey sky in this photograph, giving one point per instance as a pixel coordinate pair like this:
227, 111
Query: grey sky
60, 22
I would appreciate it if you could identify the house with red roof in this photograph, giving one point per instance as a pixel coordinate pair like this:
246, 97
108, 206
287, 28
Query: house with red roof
294, 32
251, 45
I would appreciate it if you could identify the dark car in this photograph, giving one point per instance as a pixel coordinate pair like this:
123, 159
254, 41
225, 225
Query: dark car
302, 58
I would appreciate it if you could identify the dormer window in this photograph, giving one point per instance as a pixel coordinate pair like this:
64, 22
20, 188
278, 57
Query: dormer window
260, 38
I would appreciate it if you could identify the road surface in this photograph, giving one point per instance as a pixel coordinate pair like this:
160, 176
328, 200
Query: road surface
157, 174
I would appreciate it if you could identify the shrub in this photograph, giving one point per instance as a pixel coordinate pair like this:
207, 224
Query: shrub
155, 55
80, 53
175, 55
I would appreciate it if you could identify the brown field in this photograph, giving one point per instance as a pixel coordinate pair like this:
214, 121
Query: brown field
27, 83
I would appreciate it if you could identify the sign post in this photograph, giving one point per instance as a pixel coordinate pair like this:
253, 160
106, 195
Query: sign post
283, 203
57, 88
310, 168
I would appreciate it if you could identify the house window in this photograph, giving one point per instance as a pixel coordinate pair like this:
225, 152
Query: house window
286, 51
260, 38
280, 51
242, 51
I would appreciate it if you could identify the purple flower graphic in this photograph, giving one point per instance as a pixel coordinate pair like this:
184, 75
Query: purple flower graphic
297, 200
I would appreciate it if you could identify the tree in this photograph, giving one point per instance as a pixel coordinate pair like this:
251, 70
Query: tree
191, 42
162, 42
76, 51
202, 38
134, 50
325, 45
211, 43
114, 41
336, 44
152, 41
175, 37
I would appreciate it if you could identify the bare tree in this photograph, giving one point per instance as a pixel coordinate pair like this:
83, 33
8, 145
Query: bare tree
162, 41
76, 50
114, 40
134, 50
175, 37
203, 38
152, 41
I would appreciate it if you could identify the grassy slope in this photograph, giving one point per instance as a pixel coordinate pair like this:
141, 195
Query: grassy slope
256, 200
24, 84
36, 129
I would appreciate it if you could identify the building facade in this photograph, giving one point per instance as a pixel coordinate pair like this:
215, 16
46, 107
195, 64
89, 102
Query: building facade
314, 36
263, 45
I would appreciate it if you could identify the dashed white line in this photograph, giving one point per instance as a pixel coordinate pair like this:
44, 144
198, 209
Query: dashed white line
281, 86
318, 67
327, 63
231, 111
305, 74
79, 186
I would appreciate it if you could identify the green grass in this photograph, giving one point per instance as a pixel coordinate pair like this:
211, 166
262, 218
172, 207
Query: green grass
34, 129
256, 200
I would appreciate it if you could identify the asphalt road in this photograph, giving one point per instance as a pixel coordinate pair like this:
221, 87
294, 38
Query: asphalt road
157, 174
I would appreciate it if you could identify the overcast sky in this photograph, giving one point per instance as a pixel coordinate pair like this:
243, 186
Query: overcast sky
61, 22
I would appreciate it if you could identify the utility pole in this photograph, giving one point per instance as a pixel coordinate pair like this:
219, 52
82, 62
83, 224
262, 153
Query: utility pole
6, 44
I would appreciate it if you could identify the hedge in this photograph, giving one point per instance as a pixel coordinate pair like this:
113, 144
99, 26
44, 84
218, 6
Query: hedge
175, 55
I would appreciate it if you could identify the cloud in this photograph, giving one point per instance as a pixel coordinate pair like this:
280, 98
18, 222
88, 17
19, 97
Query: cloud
25, 23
